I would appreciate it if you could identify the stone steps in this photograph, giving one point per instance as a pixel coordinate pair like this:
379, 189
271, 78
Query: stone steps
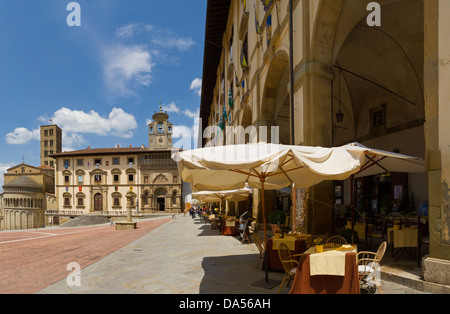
86, 220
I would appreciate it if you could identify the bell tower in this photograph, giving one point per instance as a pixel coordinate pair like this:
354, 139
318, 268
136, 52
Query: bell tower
160, 131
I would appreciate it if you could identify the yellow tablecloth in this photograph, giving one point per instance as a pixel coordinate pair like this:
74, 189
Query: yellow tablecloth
330, 262
289, 241
360, 229
405, 238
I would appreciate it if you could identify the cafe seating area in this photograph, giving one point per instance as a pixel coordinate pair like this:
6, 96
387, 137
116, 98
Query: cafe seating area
329, 263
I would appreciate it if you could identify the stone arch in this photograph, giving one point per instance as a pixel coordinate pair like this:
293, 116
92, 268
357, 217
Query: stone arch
275, 102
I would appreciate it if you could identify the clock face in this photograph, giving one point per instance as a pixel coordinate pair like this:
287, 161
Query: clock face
161, 140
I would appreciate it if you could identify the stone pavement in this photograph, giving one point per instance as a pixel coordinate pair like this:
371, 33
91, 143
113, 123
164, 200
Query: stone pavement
183, 256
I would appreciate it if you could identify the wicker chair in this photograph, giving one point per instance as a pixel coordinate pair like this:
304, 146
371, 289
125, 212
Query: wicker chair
337, 240
260, 245
289, 264
367, 264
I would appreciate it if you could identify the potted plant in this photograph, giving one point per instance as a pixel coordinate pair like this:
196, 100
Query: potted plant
276, 219
347, 235
319, 245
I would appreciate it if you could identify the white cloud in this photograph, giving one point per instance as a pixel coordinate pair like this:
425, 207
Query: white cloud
171, 107
74, 123
191, 114
22, 136
132, 30
160, 37
126, 67
117, 123
196, 86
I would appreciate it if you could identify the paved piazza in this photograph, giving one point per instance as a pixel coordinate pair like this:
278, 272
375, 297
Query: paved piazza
32, 260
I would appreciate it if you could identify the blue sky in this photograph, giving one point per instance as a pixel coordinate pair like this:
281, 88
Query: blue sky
100, 82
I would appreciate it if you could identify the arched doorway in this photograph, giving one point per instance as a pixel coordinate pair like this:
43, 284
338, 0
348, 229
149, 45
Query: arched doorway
160, 195
98, 202
377, 89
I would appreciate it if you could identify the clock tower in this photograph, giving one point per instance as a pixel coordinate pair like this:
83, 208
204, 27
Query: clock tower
160, 131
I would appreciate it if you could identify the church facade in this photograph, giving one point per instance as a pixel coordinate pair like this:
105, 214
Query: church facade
112, 180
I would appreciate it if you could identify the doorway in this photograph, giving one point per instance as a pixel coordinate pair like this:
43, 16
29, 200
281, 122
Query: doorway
98, 202
161, 204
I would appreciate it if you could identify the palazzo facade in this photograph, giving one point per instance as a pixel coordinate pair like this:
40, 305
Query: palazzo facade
322, 73
101, 180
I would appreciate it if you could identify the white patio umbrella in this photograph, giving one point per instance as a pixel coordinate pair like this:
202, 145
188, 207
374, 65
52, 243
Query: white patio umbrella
377, 162
220, 196
265, 166
217, 196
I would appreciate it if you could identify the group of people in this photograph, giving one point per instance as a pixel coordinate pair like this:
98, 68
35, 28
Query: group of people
198, 211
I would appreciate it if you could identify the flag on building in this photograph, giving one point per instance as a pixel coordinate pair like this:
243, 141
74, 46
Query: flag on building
257, 26
230, 99
267, 4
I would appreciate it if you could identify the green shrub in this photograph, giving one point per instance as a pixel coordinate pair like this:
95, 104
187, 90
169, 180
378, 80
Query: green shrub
347, 235
277, 217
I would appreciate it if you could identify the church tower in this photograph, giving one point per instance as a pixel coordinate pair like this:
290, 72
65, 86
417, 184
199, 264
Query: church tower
160, 131
51, 143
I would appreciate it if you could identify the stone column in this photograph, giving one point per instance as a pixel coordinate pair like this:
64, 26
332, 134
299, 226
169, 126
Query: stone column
437, 110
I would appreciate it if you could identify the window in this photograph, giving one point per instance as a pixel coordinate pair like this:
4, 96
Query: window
145, 179
66, 179
45, 143
51, 143
67, 201
45, 132
80, 201
80, 162
116, 178
98, 178
130, 160
130, 177
97, 162
160, 127
51, 163
116, 161
116, 201
378, 119
80, 179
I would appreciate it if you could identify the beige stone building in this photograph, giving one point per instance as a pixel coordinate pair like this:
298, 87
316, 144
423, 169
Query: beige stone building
28, 192
110, 180
331, 72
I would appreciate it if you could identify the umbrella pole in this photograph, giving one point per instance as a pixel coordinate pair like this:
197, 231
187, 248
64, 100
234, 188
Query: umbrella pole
265, 283
265, 236
352, 204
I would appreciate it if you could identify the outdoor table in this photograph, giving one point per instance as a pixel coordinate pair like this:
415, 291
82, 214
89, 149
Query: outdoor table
230, 227
296, 245
360, 229
334, 272
402, 239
